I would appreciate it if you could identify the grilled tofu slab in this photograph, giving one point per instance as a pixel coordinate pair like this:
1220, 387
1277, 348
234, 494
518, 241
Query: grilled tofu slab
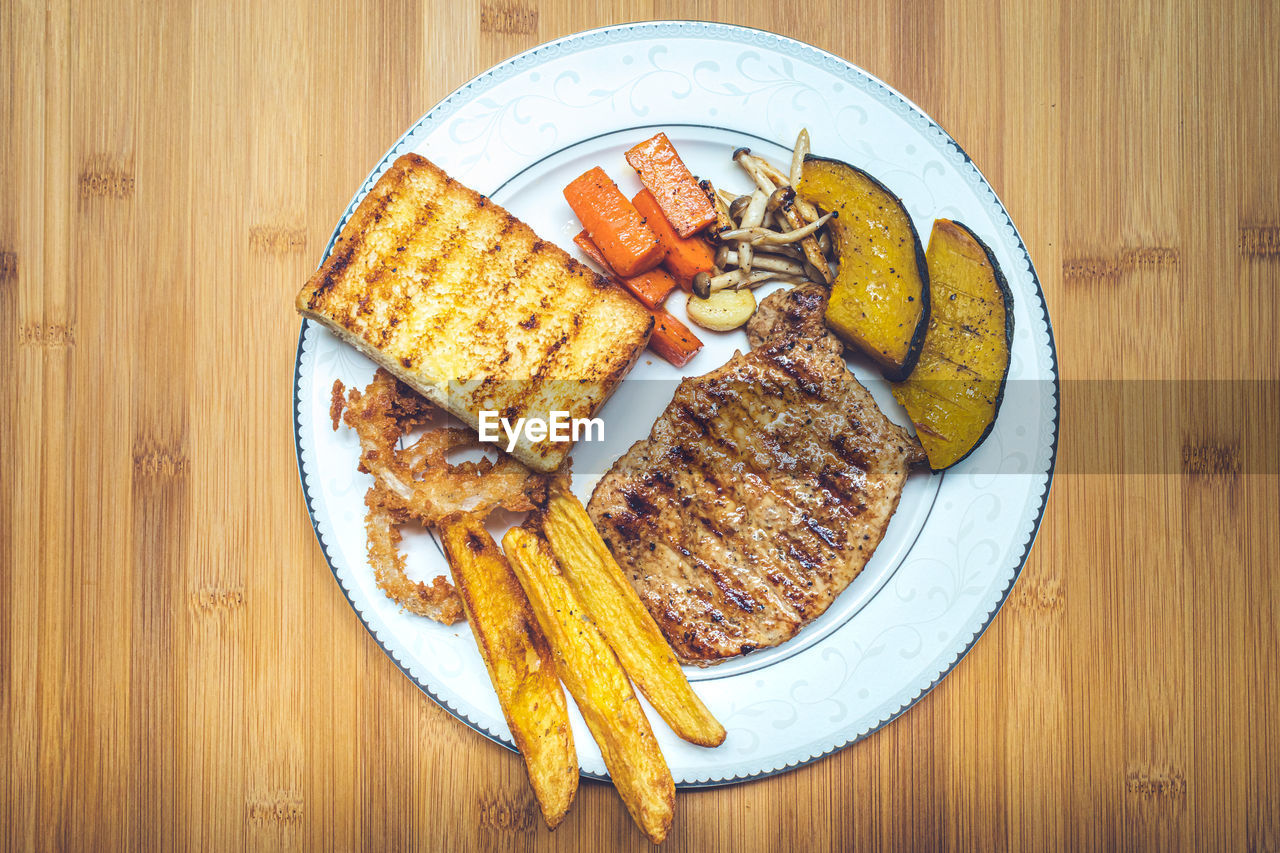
462, 302
761, 492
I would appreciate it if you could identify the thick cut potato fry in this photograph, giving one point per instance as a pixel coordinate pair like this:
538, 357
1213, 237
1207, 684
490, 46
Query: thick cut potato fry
519, 662
614, 605
591, 671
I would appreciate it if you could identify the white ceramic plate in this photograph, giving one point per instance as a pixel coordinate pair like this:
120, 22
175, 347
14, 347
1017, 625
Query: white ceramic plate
520, 132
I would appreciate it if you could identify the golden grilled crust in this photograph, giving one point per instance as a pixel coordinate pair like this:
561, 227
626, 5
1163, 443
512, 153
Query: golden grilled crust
463, 302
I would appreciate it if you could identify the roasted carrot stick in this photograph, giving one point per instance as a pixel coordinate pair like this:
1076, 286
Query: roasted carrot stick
664, 174
651, 287
685, 257
583, 241
614, 225
672, 339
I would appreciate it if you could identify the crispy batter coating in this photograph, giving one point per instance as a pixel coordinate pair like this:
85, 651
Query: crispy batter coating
418, 483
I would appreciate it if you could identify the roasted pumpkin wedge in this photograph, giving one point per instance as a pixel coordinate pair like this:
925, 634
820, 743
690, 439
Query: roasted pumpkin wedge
954, 393
880, 299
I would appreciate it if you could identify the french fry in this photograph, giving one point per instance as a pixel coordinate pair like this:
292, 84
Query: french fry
613, 604
519, 661
590, 669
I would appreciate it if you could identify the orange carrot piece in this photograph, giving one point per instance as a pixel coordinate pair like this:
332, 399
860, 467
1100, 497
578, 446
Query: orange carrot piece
685, 257
614, 225
672, 339
583, 241
651, 287
665, 175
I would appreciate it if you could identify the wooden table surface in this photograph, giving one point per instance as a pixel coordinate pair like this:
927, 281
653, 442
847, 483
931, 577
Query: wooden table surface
180, 669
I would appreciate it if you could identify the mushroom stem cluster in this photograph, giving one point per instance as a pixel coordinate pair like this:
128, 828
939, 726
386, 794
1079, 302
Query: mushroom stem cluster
769, 234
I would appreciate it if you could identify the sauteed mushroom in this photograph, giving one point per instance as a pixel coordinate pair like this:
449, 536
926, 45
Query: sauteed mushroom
758, 235
788, 225
769, 234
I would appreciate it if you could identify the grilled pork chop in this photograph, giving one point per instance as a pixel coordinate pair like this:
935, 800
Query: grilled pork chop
761, 491
462, 302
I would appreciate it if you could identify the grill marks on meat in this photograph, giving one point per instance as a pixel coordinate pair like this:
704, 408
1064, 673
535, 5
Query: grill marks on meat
761, 492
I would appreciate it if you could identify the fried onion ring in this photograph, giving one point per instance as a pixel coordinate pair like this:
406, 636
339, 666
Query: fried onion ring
418, 483
438, 601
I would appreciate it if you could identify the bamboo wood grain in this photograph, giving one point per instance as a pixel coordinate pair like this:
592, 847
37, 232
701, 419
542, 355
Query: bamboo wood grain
180, 671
